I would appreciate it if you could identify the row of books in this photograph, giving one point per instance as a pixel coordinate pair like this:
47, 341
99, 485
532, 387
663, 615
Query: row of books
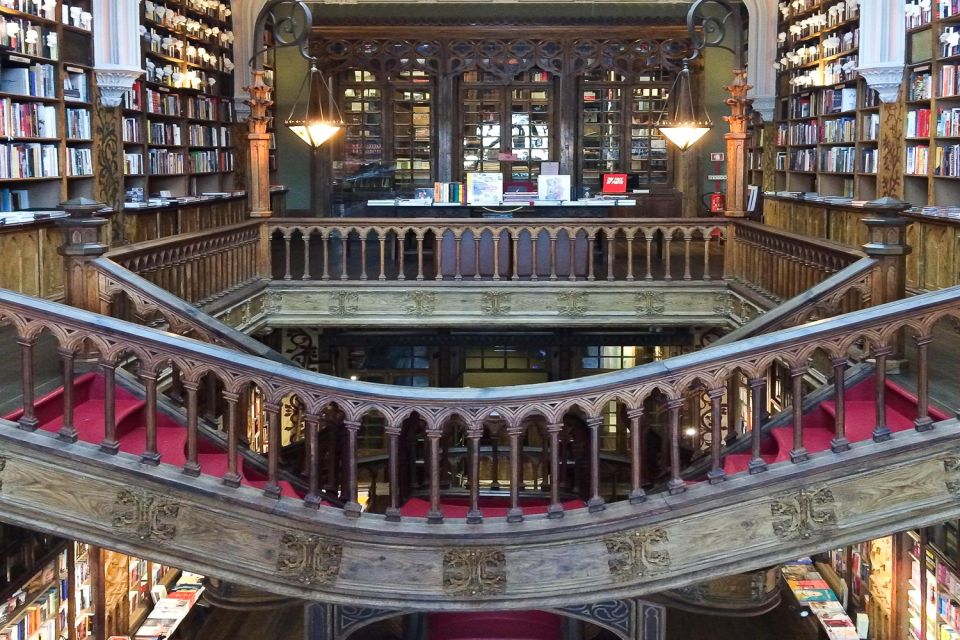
211, 161
40, 620
162, 103
838, 160
131, 130
918, 123
839, 130
947, 161
14, 199
444, 192
871, 127
29, 160
803, 160
75, 85
949, 86
920, 85
839, 100
79, 124
37, 80
917, 160
79, 162
39, 8
950, 41
133, 164
23, 36
204, 108
869, 161
165, 162
27, 119
207, 136
948, 122
168, 133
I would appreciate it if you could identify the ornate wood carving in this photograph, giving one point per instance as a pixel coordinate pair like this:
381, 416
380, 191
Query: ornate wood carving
495, 303
149, 517
572, 303
309, 559
474, 572
616, 615
344, 303
3, 465
633, 555
650, 304
951, 466
421, 303
803, 514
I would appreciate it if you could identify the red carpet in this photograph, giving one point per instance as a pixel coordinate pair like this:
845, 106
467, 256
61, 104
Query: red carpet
489, 507
495, 625
88, 393
818, 424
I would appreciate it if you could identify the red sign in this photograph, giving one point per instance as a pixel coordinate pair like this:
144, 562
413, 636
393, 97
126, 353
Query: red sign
614, 183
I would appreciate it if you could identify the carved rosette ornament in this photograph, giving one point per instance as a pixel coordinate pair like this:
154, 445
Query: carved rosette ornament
309, 559
803, 514
650, 304
3, 465
421, 303
632, 555
344, 303
572, 303
951, 466
495, 303
147, 516
474, 572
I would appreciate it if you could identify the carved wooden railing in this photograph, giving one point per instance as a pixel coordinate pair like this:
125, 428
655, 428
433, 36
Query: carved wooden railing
198, 267
871, 332
516, 249
783, 265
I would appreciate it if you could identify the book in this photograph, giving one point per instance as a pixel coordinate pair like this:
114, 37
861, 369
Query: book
484, 188
553, 187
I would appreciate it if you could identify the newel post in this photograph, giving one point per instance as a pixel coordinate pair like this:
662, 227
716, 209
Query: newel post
887, 244
83, 242
258, 167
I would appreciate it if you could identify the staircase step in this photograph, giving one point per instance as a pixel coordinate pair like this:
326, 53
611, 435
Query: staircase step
860, 418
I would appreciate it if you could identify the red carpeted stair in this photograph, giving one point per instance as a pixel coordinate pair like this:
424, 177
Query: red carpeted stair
495, 625
490, 507
88, 395
818, 424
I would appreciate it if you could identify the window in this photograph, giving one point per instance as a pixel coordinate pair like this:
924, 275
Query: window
505, 358
406, 366
609, 358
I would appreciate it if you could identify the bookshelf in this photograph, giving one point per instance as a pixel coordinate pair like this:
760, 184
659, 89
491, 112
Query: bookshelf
38, 609
83, 612
46, 98
932, 95
827, 119
177, 119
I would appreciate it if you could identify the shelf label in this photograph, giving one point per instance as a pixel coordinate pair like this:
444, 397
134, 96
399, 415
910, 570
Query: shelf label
717, 177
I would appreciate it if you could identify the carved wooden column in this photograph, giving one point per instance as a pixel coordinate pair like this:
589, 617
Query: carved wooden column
393, 454
82, 243
676, 483
595, 503
923, 422
192, 389
98, 595
887, 244
555, 510
474, 433
839, 442
637, 494
231, 418
110, 444
272, 488
312, 424
736, 139
150, 454
352, 508
258, 173
434, 515
28, 421
67, 431
799, 452
716, 473
515, 514
881, 431
757, 387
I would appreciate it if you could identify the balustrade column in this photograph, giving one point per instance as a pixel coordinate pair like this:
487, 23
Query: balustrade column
515, 267
839, 442
881, 432
67, 432
591, 239
434, 515
553, 255
686, 256
393, 455
382, 237
344, 243
923, 421
757, 388
676, 483
555, 510
477, 237
595, 503
28, 421
232, 477
474, 516
364, 237
325, 240
150, 454
611, 238
352, 508
109, 371
649, 236
313, 497
706, 254
306, 255
716, 473
515, 514
630, 238
457, 240
438, 254
191, 467
272, 487
667, 243
637, 494
799, 452
287, 274
571, 261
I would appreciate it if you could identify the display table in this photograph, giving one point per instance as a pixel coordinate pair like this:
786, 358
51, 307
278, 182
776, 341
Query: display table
585, 208
171, 609
811, 591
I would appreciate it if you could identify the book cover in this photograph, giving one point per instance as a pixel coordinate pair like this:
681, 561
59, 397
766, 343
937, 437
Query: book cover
614, 183
553, 187
484, 188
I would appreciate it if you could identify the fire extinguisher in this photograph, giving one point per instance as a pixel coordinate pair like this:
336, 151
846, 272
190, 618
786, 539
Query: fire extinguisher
718, 202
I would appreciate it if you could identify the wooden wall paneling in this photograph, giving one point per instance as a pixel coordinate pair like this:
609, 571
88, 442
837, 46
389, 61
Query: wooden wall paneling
51, 273
914, 280
20, 259
890, 163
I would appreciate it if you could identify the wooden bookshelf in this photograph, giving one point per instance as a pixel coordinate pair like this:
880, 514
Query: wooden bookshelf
38, 609
824, 111
46, 98
932, 96
178, 118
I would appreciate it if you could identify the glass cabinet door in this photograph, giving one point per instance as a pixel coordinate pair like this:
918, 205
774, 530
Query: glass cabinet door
482, 117
649, 155
412, 138
601, 133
